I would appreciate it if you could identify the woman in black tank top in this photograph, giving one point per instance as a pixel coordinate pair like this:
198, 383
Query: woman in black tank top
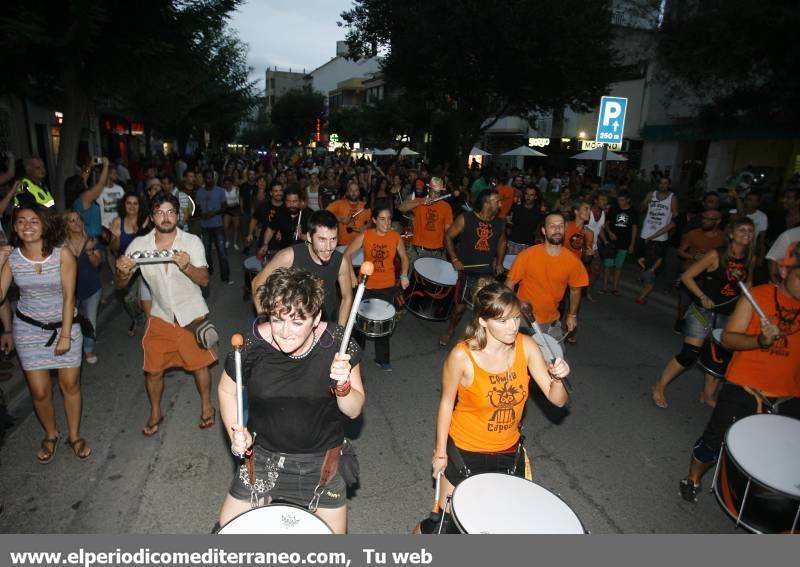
713, 281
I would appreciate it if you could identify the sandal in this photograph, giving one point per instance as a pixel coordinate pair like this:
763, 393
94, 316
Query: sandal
688, 490
151, 429
132, 328
79, 448
206, 422
444, 340
49, 447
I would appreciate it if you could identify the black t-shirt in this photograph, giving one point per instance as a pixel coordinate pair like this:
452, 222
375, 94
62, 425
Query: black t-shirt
477, 243
524, 224
328, 273
290, 404
264, 214
621, 223
286, 225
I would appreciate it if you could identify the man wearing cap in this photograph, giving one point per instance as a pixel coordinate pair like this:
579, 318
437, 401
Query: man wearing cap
431, 221
764, 373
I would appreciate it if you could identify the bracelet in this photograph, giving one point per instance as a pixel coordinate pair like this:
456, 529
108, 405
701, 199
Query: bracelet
760, 344
343, 390
403, 277
440, 457
572, 314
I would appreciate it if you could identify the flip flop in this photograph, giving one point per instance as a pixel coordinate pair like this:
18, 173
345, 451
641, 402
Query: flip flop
79, 448
206, 422
49, 446
151, 429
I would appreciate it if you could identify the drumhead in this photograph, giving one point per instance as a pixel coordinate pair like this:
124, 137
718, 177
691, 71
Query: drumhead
376, 309
276, 519
436, 270
358, 256
495, 503
767, 448
552, 343
253, 264
508, 261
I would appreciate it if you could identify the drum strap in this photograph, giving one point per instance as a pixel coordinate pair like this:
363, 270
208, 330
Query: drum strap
330, 465
761, 399
454, 456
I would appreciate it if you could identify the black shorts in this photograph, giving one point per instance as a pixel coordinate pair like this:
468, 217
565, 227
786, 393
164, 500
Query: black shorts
477, 463
733, 404
466, 286
289, 478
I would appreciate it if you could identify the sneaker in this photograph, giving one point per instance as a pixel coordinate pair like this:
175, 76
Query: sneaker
235, 246
688, 490
227, 245
91, 358
385, 366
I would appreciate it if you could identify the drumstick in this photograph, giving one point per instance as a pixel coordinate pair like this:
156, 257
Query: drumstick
550, 355
355, 214
476, 266
445, 196
237, 341
365, 271
752, 300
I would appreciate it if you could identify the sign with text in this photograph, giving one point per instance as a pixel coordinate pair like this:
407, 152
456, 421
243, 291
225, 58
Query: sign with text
591, 144
611, 120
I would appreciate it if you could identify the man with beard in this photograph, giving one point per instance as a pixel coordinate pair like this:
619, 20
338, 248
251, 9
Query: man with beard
265, 214
177, 306
289, 223
544, 272
319, 256
351, 212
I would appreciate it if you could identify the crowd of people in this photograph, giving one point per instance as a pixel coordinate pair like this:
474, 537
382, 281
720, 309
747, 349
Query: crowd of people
511, 247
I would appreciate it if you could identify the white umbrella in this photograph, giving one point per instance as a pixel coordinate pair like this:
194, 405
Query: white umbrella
368, 152
524, 151
408, 152
478, 152
386, 152
597, 155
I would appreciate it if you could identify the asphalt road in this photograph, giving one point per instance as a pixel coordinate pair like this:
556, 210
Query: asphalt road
613, 457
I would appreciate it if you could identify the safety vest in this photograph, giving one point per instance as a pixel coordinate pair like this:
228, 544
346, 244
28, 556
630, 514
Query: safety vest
39, 193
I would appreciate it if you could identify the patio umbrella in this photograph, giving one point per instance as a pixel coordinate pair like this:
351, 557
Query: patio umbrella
597, 155
408, 152
524, 151
478, 152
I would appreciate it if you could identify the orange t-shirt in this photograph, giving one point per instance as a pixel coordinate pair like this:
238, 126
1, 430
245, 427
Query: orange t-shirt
381, 250
774, 371
543, 279
699, 243
344, 207
576, 240
430, 223
487, 415
506, 200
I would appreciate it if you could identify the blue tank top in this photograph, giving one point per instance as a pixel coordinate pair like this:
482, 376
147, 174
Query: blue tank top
124, 238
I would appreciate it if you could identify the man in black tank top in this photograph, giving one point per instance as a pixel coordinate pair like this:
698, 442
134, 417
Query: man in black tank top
319, 256
476, 244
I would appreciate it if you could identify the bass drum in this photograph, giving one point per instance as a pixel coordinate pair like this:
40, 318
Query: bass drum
276, 519
714, 357
432, 291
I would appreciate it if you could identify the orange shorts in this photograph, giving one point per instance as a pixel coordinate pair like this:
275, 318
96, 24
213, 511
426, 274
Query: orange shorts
168, 345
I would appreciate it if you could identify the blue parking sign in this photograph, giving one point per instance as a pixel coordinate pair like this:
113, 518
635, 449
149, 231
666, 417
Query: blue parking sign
611, 121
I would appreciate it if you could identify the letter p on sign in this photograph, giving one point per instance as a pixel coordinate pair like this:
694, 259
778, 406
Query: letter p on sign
611, 122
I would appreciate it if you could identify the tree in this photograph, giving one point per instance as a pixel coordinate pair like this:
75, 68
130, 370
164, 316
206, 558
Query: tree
152, 57
738, 58
480, 61
295, 114
258, 132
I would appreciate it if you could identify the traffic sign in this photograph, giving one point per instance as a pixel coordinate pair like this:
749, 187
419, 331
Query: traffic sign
611, 121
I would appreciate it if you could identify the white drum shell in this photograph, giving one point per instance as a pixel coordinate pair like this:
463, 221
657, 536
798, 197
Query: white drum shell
276, 519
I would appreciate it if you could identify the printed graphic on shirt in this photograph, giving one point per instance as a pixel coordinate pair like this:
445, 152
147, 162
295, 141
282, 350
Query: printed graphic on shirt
577, 241
379, 253
734, 272
430, 219
483, 233
504, 396
622, 220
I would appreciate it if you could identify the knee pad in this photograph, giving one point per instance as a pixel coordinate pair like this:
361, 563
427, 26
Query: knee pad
688, 355
703, 453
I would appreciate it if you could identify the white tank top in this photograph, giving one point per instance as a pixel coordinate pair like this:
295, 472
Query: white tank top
659, 215
595, 226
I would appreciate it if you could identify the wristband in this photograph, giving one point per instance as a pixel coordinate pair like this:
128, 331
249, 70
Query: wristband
572, 314
403, 277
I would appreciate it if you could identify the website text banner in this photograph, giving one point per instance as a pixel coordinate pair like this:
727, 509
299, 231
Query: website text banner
395, 551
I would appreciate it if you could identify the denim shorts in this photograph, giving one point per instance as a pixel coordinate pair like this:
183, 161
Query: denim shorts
699, 322
289, 478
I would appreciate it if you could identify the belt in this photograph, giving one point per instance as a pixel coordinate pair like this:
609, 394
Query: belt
427, 249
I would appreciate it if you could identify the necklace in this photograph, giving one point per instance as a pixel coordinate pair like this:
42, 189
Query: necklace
783, 315
307, 352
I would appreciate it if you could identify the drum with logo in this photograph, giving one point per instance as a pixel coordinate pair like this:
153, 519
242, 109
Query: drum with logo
496, 503
714, 357
276, 519
432, 290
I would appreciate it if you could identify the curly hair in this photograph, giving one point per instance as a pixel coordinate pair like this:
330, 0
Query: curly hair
291, 290
491, 300
53, 227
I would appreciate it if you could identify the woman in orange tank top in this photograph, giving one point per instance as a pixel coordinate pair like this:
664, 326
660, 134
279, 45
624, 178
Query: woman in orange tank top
485, 385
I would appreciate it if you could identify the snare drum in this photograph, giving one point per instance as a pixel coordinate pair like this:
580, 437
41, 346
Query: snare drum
496, 503
714, 357
358, 256
431, 293
252, 265
375, 318
276, 519
756, 479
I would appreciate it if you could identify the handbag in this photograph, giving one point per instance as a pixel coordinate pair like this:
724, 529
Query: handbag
204, 333
349, 467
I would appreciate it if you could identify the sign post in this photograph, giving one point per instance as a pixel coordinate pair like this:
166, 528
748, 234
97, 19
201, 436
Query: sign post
610, 126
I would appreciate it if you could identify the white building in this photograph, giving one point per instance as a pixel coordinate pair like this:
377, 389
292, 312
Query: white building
326, 77
278, 83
